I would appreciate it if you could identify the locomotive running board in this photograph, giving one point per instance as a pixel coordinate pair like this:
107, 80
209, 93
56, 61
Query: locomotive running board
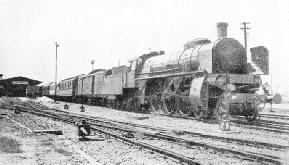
170, 75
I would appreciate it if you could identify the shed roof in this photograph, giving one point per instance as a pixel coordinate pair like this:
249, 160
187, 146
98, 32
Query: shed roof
20, 79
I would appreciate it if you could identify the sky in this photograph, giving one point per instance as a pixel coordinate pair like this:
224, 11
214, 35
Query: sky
112, 31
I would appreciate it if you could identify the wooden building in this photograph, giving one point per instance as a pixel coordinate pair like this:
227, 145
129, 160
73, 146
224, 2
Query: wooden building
16, 86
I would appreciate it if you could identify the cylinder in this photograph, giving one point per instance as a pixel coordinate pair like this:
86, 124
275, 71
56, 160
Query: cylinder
222, 29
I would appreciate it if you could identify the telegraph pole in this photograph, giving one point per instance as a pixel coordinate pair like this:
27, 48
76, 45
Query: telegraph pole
55, 73
244, 27
92, 63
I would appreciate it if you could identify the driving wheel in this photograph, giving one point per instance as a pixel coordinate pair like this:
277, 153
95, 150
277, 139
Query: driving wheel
184, 108
169, 105
198, 114
155, 104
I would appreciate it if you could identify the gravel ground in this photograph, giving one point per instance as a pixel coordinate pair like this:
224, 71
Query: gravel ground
67, 149
36, 148
180, 124
194, 126
111, 151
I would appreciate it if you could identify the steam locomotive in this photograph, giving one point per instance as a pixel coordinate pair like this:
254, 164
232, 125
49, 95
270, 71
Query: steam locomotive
205, 79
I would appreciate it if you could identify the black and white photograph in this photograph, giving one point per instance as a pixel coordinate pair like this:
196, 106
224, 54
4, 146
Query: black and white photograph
144, 82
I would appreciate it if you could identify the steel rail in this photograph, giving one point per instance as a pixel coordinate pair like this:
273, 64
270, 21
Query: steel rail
226, 139
274, 146
175, 155
278, 115
244, 124
168, 153
259, 157
254, 156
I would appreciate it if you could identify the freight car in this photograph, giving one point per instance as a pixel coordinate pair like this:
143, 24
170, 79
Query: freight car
205, 79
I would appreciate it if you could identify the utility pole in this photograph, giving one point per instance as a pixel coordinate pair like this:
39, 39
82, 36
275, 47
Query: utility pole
55, 73
244, 27
92, 63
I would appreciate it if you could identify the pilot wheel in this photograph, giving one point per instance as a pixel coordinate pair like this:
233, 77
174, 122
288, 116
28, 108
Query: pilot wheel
255, 114
252, 117
219, 109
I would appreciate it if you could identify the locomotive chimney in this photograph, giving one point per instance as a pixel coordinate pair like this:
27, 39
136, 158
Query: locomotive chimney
222, 29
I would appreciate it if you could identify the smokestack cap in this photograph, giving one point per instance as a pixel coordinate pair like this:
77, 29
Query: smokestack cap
222, 29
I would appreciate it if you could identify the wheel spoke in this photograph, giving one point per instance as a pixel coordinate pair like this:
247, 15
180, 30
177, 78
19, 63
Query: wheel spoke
155, 104
169, 105
198, 113
253, 117
184, 108
219, 109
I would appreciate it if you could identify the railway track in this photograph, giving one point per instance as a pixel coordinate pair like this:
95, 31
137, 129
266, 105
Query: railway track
263, 125
275, 116
106, 126
259, 124
98, 127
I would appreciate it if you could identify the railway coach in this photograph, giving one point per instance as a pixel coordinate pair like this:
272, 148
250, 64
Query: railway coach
67, 88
